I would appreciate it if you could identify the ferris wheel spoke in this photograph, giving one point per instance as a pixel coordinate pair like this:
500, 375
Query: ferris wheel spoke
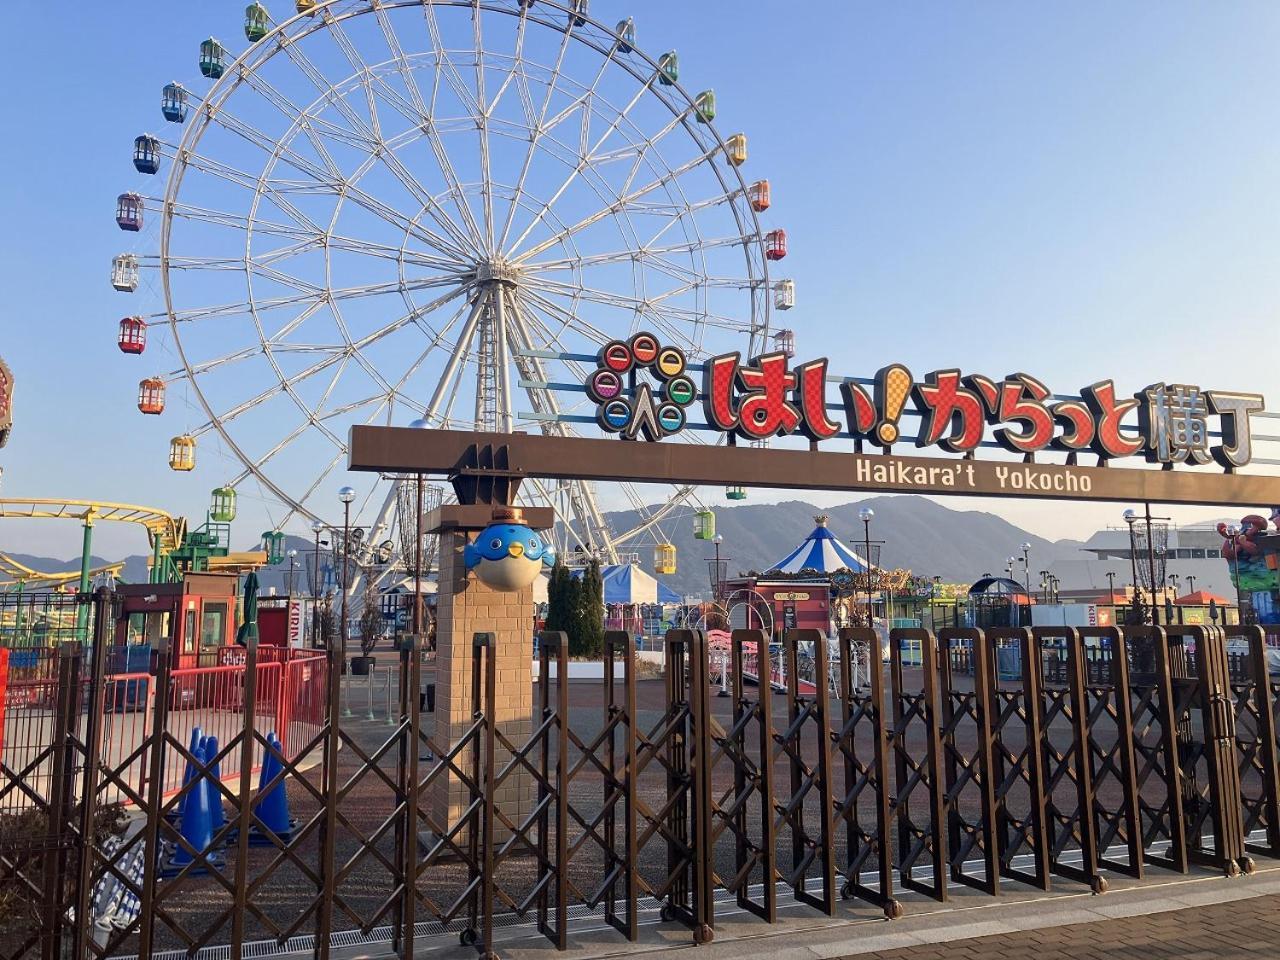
250, 182
341, 186
536, 131
445, 68
372, 141
422, 117
570, 321
234, 221
412, 317
623, 256
482, 123
284, 384
418, 258
455, 359
312, 127
670, 176
352, 54
324, 87
590, 155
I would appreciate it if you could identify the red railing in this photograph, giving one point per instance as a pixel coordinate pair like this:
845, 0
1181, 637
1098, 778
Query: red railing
290, 700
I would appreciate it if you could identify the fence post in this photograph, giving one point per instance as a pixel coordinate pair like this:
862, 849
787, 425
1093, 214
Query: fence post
244, 795
153, 789
1220, 751
619, 642
1266, 734
4, 693
93, 751
406, 834
703, 854
329, 822
61, 799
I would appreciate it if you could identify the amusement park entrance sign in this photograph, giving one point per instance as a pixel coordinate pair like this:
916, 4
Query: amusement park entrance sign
643, 391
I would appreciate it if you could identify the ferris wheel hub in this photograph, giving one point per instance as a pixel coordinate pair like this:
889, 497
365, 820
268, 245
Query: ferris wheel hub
500, 271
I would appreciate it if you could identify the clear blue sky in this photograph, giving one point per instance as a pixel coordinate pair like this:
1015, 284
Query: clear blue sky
1074, 189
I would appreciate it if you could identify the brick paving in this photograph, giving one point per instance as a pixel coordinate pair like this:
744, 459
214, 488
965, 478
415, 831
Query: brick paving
1221, 931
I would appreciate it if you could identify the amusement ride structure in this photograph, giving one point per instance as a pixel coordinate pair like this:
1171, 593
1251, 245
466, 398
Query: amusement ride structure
432, 213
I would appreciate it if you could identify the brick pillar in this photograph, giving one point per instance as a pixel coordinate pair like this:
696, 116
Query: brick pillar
465, 606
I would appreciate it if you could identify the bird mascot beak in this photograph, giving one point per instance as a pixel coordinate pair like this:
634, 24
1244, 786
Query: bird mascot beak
516, 549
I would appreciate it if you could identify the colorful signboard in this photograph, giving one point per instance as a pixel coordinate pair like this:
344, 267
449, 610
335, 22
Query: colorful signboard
643, 390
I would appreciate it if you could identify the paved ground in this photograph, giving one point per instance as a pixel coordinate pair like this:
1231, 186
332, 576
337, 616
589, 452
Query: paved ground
1202, 916
1223, 931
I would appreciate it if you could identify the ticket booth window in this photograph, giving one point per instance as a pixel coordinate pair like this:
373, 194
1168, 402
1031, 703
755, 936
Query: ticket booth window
148, 628
189, 632
213, 625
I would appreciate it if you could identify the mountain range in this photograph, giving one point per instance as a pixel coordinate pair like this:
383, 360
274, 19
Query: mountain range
919, 534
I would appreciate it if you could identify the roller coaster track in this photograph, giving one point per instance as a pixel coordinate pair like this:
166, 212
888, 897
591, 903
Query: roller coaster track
163, 527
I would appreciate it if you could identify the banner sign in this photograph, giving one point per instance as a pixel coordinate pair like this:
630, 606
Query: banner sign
644, 391
454, 453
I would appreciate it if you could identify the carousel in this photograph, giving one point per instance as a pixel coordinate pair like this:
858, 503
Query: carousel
817, 585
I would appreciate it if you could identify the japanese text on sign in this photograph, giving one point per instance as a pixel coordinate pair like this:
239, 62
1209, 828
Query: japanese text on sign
767, 396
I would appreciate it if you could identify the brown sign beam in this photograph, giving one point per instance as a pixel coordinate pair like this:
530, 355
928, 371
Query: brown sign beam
409, 450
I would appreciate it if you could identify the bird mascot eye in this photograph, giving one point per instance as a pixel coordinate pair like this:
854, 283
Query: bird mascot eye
533, 543
496, 543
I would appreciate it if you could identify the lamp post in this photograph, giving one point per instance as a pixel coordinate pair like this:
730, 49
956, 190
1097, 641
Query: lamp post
866, 515
417, 550
293, 556
316, 528
1026, 567
717, 540
1130, 517
1191, 583
1111, 587
346, 495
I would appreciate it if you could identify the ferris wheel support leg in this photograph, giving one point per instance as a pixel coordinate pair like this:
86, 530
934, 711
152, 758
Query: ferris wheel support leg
594, 527
504, 370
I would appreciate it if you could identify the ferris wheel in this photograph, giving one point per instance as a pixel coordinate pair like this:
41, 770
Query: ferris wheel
431, 212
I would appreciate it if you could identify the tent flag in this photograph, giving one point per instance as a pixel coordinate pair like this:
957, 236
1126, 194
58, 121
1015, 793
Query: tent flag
820, 551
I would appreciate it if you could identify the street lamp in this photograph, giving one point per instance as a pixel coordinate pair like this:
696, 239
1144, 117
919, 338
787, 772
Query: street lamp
866, 515
1111, 587
418, 424
1130, 517
316, 527
346, 495
293, 556
1191, 583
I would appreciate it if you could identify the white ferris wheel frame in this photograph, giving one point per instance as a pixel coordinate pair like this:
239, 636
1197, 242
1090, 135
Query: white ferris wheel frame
285, 39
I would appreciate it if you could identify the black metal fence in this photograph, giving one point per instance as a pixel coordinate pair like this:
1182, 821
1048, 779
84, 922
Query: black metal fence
1011, 756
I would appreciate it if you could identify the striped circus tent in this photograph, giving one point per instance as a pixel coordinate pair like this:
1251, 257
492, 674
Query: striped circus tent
820, 551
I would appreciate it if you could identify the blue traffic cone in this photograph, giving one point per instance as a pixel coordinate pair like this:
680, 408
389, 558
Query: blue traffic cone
272, 805
212, 778
197, 738
197, 827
